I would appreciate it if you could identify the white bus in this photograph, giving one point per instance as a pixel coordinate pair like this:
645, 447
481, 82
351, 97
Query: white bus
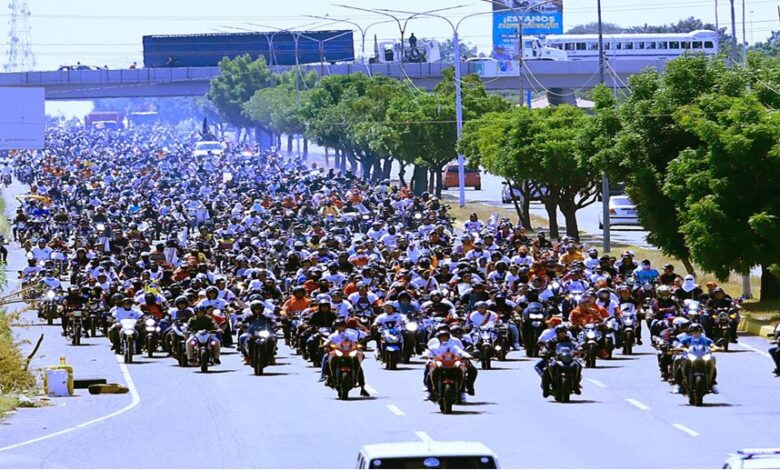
635, 46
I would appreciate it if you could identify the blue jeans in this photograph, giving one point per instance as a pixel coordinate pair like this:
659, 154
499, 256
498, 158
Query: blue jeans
514, 334
775, 353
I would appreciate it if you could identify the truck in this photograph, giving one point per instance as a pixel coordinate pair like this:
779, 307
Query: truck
104, 120
389, 52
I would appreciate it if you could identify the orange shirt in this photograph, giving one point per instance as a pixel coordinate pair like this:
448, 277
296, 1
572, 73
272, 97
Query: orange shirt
582, 315
295, 305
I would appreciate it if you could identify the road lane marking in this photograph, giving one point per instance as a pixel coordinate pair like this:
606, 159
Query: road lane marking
638, 404
597, 383
135, 399
686, 430
372, 390
424, 436
395, 410
755, 350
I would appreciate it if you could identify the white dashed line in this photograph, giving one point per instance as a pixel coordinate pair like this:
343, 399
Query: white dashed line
638, 404
686, 430
395, 410
371, 390
424, 436
597, 383
755, 350
135, 400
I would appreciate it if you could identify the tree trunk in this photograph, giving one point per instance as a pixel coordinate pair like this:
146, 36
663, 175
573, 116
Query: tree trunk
378, 170
431, 180
770, 285
552, 215
305, 148
419, 179
569, 211
353, 163
327, 156
289, 143
439, 183
402, 173
388, 169
688, 266
522, 214
367, 163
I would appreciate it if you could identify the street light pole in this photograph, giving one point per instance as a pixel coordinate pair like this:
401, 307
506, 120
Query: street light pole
733, 34
605, 222
363, 31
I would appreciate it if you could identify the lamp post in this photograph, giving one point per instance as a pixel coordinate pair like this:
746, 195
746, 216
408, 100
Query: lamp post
363, 30
402, 24
605, 222
519, 50
458, 93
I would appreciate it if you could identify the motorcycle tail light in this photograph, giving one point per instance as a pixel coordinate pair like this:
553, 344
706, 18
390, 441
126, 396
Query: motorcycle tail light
353, 353
193, 342
213, 343
438, 363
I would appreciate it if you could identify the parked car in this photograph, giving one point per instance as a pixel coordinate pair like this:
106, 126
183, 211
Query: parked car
433, 454
621, 212
616, 189
450, 177
754, 458
516, 193
80, 67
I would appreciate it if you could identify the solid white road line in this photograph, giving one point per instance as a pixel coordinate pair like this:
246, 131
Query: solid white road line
371, 390
638, 404
395, 410
424, 436
135, 399
597, 383
686, 430
755, 350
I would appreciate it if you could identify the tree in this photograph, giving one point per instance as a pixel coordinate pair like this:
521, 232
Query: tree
447, 51
237, 83
538, 145
593, 28
770, 47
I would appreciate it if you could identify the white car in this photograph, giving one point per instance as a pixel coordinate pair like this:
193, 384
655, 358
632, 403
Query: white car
754, 458
508, 196
621, 212
431, 454
205, 147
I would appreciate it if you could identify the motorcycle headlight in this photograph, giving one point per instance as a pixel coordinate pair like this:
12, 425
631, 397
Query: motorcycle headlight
264, 334
706, 357
628, 322
411, 326
353, 353
129, 332
149, 323
458, 363
438, 364
498, 348
590, 335
339, 353
50, 295
213, 343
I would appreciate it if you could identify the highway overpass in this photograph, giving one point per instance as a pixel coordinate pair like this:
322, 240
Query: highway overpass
194, 81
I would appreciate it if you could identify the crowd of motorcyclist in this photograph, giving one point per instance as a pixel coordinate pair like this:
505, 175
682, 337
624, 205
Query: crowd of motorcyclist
163, 251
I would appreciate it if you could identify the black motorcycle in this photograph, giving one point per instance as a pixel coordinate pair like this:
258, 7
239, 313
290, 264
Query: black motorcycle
260, 350
534, 323
564, 372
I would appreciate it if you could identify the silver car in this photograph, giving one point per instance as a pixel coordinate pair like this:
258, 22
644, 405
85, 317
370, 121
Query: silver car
622, 211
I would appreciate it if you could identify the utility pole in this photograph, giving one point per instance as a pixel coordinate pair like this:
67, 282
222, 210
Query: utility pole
717, 23
733, 34
604, 180
744, 36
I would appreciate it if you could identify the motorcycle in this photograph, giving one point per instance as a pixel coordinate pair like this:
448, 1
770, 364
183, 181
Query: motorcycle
533, 326
589, 339
344, 365
314, 345
722, 327
178, 338
128, 335
49, 310
692, 310
152, 330
392, 342
203, 340
411, 344
563, 372
696, 379
7, 179
260, 350
76, 327
611, 326
628, 329
446, 376
486, 341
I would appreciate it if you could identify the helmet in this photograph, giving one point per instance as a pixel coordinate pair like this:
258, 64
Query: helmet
718, 290
481, 304
181, 300
457, 329
681, 322
695, 327
603, 294
253, 305
664, 291
324, 302
212, 290
561, 329
352, 323
442, 332
436, 293
339, 322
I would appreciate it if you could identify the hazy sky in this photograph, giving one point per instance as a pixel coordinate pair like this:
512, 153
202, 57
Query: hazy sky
108, 32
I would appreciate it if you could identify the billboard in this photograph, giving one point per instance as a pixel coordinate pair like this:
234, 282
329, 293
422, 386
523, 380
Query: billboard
22, 118
539, 17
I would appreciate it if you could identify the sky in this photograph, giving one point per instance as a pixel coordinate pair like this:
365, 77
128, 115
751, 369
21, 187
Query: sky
109, 32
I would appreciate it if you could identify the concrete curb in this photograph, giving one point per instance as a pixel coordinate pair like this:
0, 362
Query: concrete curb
758, 326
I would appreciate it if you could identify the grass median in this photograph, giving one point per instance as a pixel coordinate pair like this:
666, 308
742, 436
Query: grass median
14, 376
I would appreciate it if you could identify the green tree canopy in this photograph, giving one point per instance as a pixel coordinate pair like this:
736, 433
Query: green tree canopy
237, 83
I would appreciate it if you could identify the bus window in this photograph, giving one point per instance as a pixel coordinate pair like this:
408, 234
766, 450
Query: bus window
618, 46
674, 45
594, 46
709, 45
628, 45
640, 45
649, 45
697, 44
686, 45
569, 46
663, 45
607, 46
581, 46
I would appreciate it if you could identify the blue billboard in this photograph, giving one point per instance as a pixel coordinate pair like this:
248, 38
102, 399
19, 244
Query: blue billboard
539, 18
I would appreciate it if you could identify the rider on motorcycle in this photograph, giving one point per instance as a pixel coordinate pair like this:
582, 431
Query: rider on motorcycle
120, 312
340, 334
255, 321
696, 337
202, 321
562, 335
445, 343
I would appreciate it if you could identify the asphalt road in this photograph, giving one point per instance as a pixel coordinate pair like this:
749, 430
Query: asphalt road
175, 418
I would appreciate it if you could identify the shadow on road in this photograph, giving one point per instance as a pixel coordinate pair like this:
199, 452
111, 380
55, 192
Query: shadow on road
220, 371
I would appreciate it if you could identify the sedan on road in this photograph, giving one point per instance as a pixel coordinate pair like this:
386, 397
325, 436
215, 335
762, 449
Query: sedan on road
622, 211
450, 178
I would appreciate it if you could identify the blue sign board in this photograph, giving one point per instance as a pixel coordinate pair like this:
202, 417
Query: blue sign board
539, 18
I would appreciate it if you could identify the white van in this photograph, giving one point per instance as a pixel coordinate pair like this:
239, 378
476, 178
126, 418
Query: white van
433, 454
